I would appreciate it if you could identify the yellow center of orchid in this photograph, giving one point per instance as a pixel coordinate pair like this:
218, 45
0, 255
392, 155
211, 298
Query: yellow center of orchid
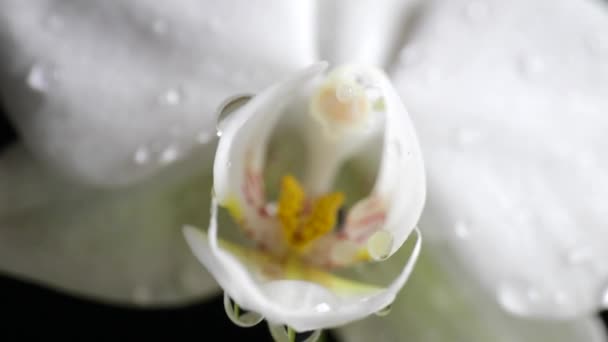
300, 226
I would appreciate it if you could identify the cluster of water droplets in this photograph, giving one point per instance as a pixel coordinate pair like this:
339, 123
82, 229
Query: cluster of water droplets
282, 333
240, 317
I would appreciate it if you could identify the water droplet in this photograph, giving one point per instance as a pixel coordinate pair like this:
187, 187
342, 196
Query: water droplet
141, 155
518, 298
476, 11
461, 230
170, 97
322, 307
160, 27
229, 106
531, 65
604, 299
142, 295
385, 311
380, 244
240, 317
41, 77
282, 333
168, 155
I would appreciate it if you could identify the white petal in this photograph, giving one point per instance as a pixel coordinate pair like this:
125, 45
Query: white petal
111, 92
123, 246
363, 31
441, 302
245, 135
401, 179
512, 120
301, 305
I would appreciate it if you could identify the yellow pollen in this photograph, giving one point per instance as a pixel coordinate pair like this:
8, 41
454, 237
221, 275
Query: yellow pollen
301, 229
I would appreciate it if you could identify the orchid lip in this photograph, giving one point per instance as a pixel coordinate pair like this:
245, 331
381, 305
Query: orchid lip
301, 226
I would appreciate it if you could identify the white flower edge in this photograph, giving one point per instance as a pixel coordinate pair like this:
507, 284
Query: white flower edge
302, 305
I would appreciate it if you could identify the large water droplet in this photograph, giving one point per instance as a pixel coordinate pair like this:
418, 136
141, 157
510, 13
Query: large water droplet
517, 298
345, 93
380, 244
171, 97
385, 311
322, 307
41, 77
141, 155
282, 333
240, 317
229, 106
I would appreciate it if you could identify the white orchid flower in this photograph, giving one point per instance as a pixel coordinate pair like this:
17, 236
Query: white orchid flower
113, 99
310, 228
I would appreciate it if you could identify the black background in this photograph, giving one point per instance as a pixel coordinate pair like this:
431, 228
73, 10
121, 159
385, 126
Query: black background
33, 311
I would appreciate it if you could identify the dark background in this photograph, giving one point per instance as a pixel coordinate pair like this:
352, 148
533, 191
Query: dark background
33, 311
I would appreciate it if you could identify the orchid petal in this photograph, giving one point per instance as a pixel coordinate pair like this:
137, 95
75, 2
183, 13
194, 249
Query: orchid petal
120, 246
442, 302
109, 93
513, 128
302, 305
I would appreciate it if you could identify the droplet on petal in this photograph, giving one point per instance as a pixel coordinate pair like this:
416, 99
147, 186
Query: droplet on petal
40, 77
141, 155
461, 230
229, 106
604, 299
240, 317
170, 97
282, 333
168, 155
385, 311
379, 245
